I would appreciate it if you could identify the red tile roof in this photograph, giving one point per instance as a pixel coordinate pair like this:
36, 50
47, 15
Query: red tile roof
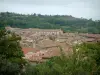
26, 50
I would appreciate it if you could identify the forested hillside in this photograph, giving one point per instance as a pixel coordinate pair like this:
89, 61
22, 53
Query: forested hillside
67, 23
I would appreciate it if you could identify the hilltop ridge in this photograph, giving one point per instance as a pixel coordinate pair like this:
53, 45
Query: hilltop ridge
67, 23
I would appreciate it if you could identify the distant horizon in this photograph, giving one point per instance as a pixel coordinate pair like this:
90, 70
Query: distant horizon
77, 8
50, 14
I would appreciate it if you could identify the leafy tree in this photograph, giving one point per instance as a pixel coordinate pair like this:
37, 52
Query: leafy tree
11, 62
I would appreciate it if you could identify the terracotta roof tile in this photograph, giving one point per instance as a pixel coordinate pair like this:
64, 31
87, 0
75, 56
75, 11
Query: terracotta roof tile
26, 50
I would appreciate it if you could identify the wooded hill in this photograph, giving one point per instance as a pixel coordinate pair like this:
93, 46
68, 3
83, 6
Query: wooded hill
67, 23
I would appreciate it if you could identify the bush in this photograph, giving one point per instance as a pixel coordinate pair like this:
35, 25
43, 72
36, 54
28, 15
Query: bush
82, 62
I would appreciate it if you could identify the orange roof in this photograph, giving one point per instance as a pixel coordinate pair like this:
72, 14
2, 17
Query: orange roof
26, 50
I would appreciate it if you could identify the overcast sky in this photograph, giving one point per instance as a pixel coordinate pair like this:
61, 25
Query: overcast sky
77, 8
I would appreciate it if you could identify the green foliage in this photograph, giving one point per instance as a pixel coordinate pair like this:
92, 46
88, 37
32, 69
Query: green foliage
10, 54
85, 60
91, 52
65, 22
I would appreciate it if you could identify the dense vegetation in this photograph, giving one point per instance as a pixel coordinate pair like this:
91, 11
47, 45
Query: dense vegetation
84, 61
11, 61
65, 22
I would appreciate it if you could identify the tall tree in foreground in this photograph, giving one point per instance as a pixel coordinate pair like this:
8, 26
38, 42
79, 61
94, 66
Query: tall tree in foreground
11, 62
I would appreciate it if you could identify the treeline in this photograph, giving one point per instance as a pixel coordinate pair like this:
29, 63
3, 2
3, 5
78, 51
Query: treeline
67, 23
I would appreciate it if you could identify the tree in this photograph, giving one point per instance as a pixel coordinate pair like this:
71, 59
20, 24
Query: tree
10, 54
91, 51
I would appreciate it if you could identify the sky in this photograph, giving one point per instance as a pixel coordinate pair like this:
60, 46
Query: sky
77, 8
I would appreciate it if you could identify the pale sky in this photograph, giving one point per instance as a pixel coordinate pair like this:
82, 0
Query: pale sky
77, 8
